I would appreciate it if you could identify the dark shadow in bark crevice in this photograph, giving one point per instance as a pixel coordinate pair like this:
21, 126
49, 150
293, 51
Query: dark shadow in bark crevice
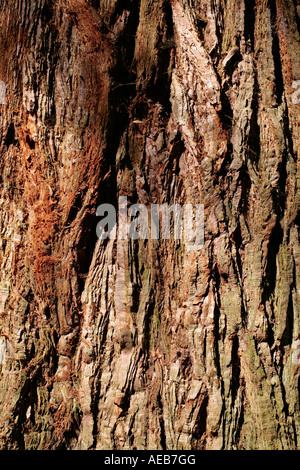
279, 84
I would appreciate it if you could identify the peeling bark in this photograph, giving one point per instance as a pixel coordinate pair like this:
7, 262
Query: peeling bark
124, 344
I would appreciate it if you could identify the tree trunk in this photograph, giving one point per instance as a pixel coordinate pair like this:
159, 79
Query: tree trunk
145, 344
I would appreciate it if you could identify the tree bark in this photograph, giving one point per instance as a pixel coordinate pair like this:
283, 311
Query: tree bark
143, 344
